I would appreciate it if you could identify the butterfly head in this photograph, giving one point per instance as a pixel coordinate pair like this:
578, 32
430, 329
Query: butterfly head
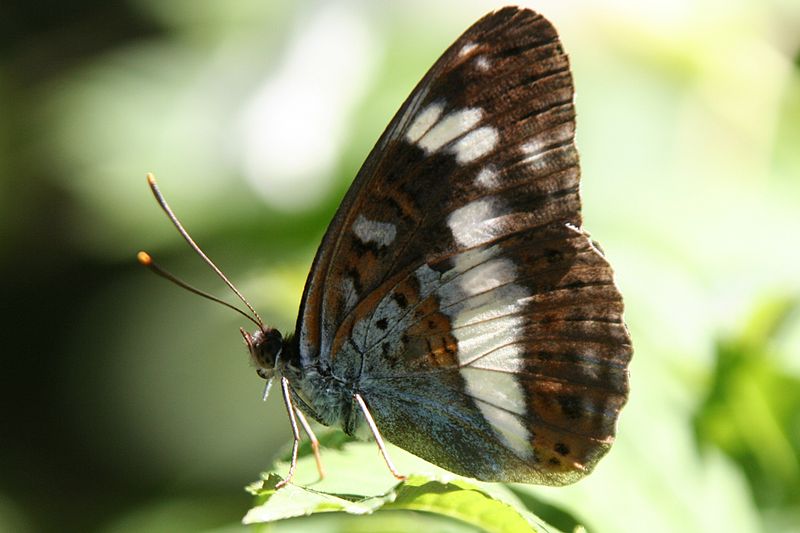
265, 345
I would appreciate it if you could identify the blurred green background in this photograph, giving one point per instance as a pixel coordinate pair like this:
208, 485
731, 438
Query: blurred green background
129, 405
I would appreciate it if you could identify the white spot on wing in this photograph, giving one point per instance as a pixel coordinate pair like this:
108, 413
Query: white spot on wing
487, 276
499, 396
452, 126
538, 147
489, 344
484, 305
475, 144
466, 49
498, 303
349, 292
533, 147
372, 231
472, 224
482, 63
469, 259
487, 178
535, 150
498, 388
424, 121
491, 361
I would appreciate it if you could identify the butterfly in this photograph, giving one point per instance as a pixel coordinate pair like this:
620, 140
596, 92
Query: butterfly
456, 306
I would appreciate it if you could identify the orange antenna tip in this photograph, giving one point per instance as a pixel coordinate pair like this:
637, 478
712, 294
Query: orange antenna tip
151, 179
144, 258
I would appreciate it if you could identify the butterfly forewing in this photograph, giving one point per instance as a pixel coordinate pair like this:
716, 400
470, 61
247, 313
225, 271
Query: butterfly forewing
455, 285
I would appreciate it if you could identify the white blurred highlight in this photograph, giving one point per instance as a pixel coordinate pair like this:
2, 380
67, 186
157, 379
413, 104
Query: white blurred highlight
294, 125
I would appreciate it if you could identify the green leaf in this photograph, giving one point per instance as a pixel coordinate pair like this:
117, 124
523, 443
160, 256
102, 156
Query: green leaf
358, 483
292, 501
459, 500
752, 410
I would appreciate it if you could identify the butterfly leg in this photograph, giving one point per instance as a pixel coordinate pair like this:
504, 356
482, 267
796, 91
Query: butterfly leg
314, 441
378, 438
287, 400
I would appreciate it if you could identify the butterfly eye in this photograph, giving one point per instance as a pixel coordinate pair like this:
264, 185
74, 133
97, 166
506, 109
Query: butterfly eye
265, 346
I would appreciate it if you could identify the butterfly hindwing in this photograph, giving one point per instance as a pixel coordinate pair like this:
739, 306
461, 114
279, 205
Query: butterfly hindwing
455, 285
527, 364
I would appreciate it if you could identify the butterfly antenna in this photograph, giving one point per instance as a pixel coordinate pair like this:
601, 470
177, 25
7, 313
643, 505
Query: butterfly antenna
147, 261
151, 181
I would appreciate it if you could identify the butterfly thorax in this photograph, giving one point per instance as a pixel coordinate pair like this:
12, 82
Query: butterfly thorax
314, 388
322, 394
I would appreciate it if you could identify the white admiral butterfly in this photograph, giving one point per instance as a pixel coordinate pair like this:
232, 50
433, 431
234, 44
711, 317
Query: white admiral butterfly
455, 305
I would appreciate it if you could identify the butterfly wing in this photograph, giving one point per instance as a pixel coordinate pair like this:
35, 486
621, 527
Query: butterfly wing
455, 283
